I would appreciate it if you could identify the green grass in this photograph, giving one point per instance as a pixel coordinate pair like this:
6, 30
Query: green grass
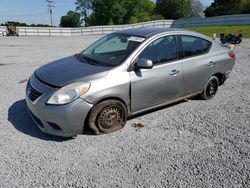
222, 29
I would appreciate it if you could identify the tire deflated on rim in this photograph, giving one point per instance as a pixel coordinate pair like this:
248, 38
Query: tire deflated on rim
107, 117
211, 88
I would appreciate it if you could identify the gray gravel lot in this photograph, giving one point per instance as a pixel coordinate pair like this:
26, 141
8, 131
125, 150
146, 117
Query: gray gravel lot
190, 144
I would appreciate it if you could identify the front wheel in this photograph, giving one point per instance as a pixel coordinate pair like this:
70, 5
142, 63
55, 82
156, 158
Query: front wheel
107, 117
211, 88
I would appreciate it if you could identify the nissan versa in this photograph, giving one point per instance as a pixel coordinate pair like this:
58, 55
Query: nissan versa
122, 74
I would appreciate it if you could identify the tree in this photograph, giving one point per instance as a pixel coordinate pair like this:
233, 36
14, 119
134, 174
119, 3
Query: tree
246, 6
21, 24
133, 20
197, 7
26, 25
139, 9
107, 12
71, 19
84, 7
227, 7
173, 9
157, 17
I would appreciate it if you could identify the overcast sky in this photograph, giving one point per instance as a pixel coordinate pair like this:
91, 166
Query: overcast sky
35, 11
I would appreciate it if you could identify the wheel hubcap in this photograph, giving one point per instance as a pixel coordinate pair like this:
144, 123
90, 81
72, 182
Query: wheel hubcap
211, 88
109, 118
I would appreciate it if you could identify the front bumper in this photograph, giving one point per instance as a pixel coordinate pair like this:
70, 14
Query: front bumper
64, 120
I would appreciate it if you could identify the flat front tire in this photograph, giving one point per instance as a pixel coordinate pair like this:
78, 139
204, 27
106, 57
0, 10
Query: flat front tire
211, 88
107, 117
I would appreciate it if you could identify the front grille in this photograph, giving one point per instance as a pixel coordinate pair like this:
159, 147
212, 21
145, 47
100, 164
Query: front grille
33, 94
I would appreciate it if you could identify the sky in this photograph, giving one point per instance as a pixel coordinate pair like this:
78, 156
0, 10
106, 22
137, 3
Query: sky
36, 11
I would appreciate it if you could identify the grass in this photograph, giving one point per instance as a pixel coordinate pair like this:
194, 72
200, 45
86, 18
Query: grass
222, 29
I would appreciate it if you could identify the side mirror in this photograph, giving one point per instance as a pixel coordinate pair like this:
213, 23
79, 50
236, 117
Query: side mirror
144, 64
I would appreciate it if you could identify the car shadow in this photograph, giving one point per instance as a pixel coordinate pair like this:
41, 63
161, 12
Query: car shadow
19, 117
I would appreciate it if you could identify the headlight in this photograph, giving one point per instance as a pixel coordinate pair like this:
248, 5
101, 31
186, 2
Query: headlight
68, 93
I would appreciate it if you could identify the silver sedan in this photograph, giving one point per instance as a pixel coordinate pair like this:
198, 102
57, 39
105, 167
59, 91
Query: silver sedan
122, 74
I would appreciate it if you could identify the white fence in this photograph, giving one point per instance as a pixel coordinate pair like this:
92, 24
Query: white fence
194, 22
242, 19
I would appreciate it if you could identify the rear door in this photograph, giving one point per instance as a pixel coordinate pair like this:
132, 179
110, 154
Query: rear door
198, 65
150, 87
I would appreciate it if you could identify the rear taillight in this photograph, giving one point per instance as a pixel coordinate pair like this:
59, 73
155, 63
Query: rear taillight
232, 55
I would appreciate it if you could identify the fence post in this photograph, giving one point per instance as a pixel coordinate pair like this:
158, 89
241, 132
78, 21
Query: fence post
37, 32
49, 32
25, 32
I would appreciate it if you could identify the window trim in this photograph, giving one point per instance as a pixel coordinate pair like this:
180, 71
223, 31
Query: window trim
180, 46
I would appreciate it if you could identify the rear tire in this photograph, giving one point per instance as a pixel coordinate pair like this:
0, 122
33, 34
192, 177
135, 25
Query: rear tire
107, 117
211, 88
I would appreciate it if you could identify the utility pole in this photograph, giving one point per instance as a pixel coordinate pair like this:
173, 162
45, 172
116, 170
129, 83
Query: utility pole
50, 6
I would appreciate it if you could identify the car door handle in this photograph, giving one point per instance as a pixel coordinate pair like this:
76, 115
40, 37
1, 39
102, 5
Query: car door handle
174, 72
211, 64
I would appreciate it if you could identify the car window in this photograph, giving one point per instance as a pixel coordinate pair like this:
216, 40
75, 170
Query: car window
193, 46
112, 45
111, 50
161, 50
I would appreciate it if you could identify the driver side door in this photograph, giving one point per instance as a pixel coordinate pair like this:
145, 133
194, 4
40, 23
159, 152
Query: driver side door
151, 87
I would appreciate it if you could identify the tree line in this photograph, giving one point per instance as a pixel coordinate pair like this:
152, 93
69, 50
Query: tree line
228, 7
21, 24
113, 12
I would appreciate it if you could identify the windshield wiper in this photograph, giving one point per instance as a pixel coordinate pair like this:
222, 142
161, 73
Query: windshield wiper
86, 59
92, 61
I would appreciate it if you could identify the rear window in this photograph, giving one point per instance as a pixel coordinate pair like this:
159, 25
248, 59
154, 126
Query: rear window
193, 46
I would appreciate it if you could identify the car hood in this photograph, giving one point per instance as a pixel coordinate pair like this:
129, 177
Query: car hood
68, 70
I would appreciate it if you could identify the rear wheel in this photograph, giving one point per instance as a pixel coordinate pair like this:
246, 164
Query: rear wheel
211, 88
107, 117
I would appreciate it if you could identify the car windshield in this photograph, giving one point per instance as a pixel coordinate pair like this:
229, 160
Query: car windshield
110, 50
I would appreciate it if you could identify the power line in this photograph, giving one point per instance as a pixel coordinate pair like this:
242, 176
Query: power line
50, 6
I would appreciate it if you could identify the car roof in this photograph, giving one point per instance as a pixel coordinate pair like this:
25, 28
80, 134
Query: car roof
148, 32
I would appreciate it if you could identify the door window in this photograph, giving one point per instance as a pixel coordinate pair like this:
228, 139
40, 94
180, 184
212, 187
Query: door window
161, 50
193, 46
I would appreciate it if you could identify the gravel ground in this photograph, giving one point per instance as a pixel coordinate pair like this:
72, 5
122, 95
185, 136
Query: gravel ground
190, 144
